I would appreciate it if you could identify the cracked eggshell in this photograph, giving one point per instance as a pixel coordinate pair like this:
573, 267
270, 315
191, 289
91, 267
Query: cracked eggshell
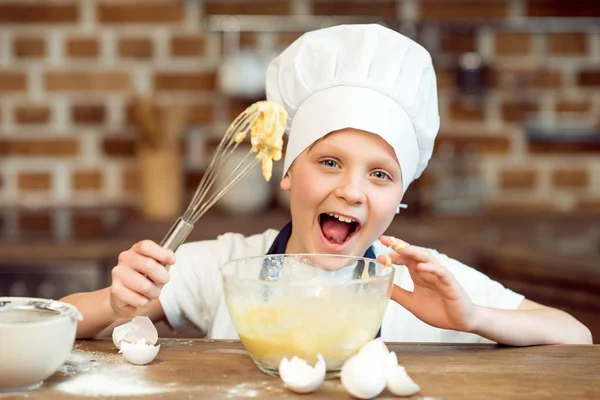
136, 329
375, 349
299, 376
363, 377
139, 353
399, 383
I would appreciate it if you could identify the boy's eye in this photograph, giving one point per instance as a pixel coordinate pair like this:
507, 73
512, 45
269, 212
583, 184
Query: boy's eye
380, 175
329, 163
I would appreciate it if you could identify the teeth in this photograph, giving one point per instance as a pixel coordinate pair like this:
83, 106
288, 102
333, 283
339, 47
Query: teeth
341, 217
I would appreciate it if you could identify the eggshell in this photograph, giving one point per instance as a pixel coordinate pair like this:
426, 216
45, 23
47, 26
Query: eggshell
299, 376
363, 376
399, 383
375, 349
139, 353
131, 332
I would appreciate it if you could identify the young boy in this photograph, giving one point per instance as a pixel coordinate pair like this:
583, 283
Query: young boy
363, 117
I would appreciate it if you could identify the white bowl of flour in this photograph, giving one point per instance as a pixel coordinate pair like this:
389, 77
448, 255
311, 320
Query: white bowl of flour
36, 338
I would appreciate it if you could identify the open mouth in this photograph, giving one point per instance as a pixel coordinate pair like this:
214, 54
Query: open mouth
338, 229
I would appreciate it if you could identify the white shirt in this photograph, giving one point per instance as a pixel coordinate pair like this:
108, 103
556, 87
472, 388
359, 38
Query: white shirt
194, 299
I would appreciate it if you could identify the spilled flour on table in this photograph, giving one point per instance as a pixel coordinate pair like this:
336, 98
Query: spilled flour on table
101, 374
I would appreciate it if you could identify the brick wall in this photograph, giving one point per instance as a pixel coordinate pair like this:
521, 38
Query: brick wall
68, 70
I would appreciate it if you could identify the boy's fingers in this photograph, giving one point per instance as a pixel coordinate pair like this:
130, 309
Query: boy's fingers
394, 243
402, 297
128, 296
137, 282
151, 249
147, 266
399, 259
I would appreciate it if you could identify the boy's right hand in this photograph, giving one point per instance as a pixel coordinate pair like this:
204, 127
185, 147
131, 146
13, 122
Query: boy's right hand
139, 277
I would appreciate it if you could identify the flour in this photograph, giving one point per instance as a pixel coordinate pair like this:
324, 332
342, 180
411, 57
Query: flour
102, 374
101, 384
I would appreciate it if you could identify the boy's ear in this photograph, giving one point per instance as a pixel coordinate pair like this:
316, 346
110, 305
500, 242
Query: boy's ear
286, 182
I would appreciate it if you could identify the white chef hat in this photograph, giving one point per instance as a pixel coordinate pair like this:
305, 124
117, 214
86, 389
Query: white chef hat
366, 77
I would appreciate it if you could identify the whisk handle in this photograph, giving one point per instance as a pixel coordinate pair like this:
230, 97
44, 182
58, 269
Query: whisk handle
177, 235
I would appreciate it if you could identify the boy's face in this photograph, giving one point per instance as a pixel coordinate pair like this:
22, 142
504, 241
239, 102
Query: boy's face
350, 173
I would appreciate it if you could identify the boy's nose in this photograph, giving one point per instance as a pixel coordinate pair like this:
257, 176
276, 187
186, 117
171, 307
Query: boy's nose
351, 190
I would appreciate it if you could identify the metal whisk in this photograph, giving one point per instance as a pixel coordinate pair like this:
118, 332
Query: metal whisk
274, 121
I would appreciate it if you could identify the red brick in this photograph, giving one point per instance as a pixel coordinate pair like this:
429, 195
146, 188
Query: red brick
144, 12
35, 222
580, 106
562, 8
88, 226
135, 48
87, 180
427, 179
585, 78
573, 43
546, 79
46, 147
236, 107
40, 12
34, 181
29, 48
446, 77
248, 39
588, 205
253, 7
381, 8
482, 144
449, 10
187, 46
131, 181
185, 81
192, 179
201, 113
513, 43
460, 111
119, 147
518, 179
12, 81
458, 42
535, 78
83, 47
88, 114
563, 148
522, 206
515, 111
284, 39
570, 178
87, 81
32, 114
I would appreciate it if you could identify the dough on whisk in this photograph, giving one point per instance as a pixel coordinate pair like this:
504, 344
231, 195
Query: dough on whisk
266, 133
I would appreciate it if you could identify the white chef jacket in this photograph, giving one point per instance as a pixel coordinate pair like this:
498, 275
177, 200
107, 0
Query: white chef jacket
193, 298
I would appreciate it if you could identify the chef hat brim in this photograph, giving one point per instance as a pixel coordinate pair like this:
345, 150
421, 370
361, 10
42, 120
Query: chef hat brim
357, 107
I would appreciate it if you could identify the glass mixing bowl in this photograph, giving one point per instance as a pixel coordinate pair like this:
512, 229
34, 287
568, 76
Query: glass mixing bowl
304, 305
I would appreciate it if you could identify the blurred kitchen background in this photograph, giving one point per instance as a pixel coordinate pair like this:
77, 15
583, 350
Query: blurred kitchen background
110, 111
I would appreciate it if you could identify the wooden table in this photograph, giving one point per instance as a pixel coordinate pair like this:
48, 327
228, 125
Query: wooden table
220, 369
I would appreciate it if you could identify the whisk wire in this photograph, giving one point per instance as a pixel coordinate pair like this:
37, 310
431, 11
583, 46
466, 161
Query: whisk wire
204, 196
223, 153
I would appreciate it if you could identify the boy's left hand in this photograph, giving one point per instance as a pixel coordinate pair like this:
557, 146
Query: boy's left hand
437, 298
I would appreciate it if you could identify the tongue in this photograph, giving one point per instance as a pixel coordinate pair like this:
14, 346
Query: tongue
335, 230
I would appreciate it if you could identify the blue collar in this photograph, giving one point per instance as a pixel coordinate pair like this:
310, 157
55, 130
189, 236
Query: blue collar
280, 243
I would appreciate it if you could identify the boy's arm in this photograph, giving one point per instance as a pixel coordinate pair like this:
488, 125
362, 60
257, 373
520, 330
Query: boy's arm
439, 300
99, 314
531, 323
137, 280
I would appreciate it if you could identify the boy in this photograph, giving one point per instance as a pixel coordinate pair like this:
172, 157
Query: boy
363, 117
